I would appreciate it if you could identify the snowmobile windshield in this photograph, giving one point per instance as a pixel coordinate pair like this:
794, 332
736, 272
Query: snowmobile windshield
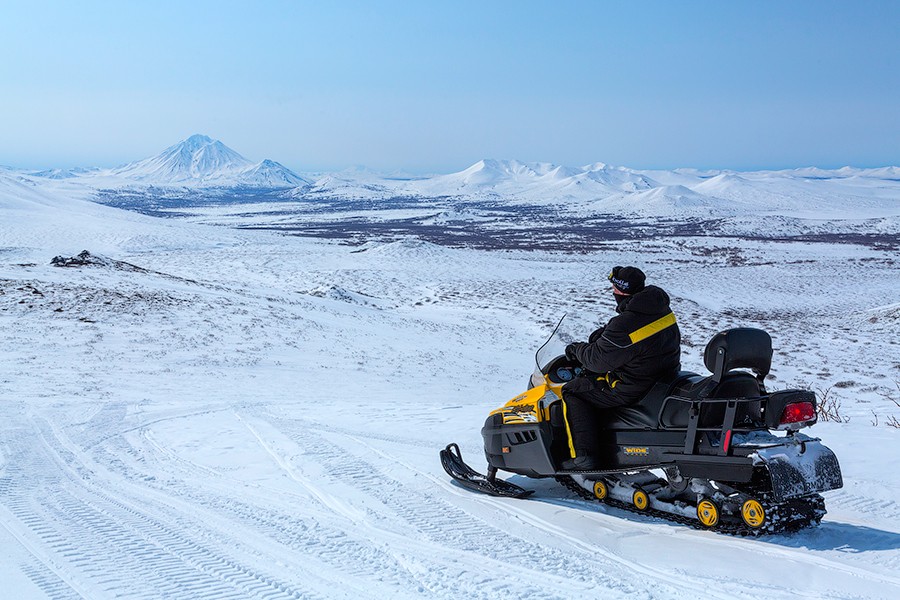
554, 346
550, 351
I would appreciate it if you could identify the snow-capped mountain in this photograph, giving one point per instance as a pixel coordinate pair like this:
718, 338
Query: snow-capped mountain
197, 157
601, 189
269, 173
515, 178
200, 168
201, 160
61, 173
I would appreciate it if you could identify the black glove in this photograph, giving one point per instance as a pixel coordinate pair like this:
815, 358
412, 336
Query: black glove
596, 335
570, 351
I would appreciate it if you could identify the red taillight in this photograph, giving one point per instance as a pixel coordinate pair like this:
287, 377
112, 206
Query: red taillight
798, 412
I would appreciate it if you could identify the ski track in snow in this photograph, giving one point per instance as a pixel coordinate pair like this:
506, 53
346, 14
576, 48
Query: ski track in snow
257, 416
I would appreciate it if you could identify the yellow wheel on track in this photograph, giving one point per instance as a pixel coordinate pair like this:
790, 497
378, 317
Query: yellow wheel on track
708, 512
753, 513
640, 500
601, 491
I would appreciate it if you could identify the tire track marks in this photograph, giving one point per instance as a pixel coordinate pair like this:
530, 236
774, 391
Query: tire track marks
117, 547
447, 528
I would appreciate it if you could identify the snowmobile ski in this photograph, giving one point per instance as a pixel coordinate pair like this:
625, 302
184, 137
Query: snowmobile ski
455, 466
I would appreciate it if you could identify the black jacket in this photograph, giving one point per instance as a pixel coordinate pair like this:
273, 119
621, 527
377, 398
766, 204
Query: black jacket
638, 346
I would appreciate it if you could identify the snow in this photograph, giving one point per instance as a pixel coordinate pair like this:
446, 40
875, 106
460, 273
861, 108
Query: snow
248, 414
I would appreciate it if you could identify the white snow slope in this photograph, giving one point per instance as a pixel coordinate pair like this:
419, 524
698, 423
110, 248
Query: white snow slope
238, 414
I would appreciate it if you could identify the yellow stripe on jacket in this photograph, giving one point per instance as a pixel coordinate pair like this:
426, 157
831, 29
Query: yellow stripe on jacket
653, 328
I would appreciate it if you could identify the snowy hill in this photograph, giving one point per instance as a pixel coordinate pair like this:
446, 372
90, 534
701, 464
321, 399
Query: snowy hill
201, 160
269, 173
36, 216
664, 201
199, 169
599, 189
531, 181
61, 173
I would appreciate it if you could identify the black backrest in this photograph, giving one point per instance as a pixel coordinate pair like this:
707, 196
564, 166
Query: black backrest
740, 348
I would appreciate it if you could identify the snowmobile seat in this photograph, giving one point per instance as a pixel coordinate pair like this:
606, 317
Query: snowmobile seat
644, 414
739, 348
668, 401
737, 384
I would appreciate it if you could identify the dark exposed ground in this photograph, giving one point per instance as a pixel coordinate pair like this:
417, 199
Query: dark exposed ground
573, 237
507, 227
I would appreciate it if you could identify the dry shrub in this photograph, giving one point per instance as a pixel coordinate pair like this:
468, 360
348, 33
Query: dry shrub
829, 406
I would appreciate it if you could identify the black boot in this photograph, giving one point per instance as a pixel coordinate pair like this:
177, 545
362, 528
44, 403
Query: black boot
582, 462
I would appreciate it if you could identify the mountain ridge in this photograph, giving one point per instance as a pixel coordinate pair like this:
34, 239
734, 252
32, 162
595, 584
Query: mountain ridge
201, 166
202, 160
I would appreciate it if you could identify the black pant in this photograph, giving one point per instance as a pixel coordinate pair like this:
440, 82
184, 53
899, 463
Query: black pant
585, 400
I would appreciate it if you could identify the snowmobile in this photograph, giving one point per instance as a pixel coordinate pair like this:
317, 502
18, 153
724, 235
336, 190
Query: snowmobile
717, 451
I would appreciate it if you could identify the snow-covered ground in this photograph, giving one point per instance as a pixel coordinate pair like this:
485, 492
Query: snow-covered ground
241, 414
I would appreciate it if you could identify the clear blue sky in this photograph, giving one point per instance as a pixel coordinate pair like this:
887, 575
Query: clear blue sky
435, 86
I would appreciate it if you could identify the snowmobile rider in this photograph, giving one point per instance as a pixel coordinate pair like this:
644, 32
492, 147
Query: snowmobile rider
622, 361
